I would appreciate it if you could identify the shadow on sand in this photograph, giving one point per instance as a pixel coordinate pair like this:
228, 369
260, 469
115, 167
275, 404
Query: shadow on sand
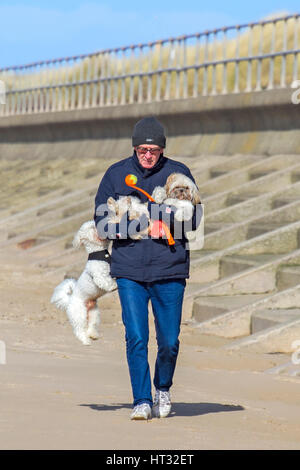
178, 409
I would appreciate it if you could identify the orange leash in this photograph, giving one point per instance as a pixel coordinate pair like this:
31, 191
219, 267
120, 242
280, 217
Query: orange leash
159, 228
131, 180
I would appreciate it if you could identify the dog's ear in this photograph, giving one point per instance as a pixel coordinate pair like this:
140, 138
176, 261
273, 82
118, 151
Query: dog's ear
170, 180
111, 204
86, 232
159, 194
95, 236
77, 241
172, 177
196, 196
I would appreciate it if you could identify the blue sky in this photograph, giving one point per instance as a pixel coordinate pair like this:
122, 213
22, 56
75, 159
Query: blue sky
38, 30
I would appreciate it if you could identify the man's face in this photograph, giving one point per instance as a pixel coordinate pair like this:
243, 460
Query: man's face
148, 155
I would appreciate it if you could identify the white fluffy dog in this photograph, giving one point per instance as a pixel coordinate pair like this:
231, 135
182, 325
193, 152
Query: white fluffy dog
132, 205
78, 298
181, 192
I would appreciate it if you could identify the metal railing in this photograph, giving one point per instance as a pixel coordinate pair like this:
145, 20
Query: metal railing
235, 59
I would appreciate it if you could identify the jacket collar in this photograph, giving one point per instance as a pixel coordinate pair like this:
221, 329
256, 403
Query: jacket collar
145, 172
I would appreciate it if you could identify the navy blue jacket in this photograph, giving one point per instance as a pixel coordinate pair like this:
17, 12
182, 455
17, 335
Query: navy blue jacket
148, 259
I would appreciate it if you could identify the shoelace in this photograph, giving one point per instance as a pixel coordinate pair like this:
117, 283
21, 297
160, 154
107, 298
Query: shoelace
163, 398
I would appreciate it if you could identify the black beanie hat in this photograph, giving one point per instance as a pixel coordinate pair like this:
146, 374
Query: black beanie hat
148, 131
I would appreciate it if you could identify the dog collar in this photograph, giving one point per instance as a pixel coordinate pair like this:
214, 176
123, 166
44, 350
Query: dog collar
100, 256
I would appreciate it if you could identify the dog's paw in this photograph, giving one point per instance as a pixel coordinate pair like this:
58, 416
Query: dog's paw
87, 342
184, 210
93, 334
159, 194
183, 214
85, 339
136, 236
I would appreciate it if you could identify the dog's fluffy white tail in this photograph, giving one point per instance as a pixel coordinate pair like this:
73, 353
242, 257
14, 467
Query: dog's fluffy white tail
62, 293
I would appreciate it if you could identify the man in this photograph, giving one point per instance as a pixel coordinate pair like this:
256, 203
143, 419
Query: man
147, 269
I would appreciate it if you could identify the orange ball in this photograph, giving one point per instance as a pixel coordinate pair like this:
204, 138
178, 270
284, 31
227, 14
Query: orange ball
131, 180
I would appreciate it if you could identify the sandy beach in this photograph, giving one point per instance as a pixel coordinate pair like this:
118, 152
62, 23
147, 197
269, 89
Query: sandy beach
58, 394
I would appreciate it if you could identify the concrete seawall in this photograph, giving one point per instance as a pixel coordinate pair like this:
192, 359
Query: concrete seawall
260, 123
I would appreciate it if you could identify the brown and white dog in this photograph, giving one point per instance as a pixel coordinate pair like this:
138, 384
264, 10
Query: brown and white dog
132, 205
181, 192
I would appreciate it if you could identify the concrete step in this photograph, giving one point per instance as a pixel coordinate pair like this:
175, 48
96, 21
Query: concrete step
251, 172
259, 174
217, 173
236, 321
39, 253
295, 176
239, 198
282, 337
190, 290
257, 275
230, 265
282, 240
212, 227
226, 234
206, 267
192, 287
281, 215
209, 307
275, 181
263, 319
284, 200
252, 205
53, 216
237, 161
56, 229
288, 276
213, 167
256, 229
30, 213
42, 183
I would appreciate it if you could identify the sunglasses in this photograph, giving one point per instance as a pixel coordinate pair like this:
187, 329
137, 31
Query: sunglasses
144, 150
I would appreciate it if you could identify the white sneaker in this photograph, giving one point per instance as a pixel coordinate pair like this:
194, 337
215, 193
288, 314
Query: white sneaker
142, 411
162, 404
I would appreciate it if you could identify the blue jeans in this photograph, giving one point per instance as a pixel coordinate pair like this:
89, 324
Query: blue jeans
166, 299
